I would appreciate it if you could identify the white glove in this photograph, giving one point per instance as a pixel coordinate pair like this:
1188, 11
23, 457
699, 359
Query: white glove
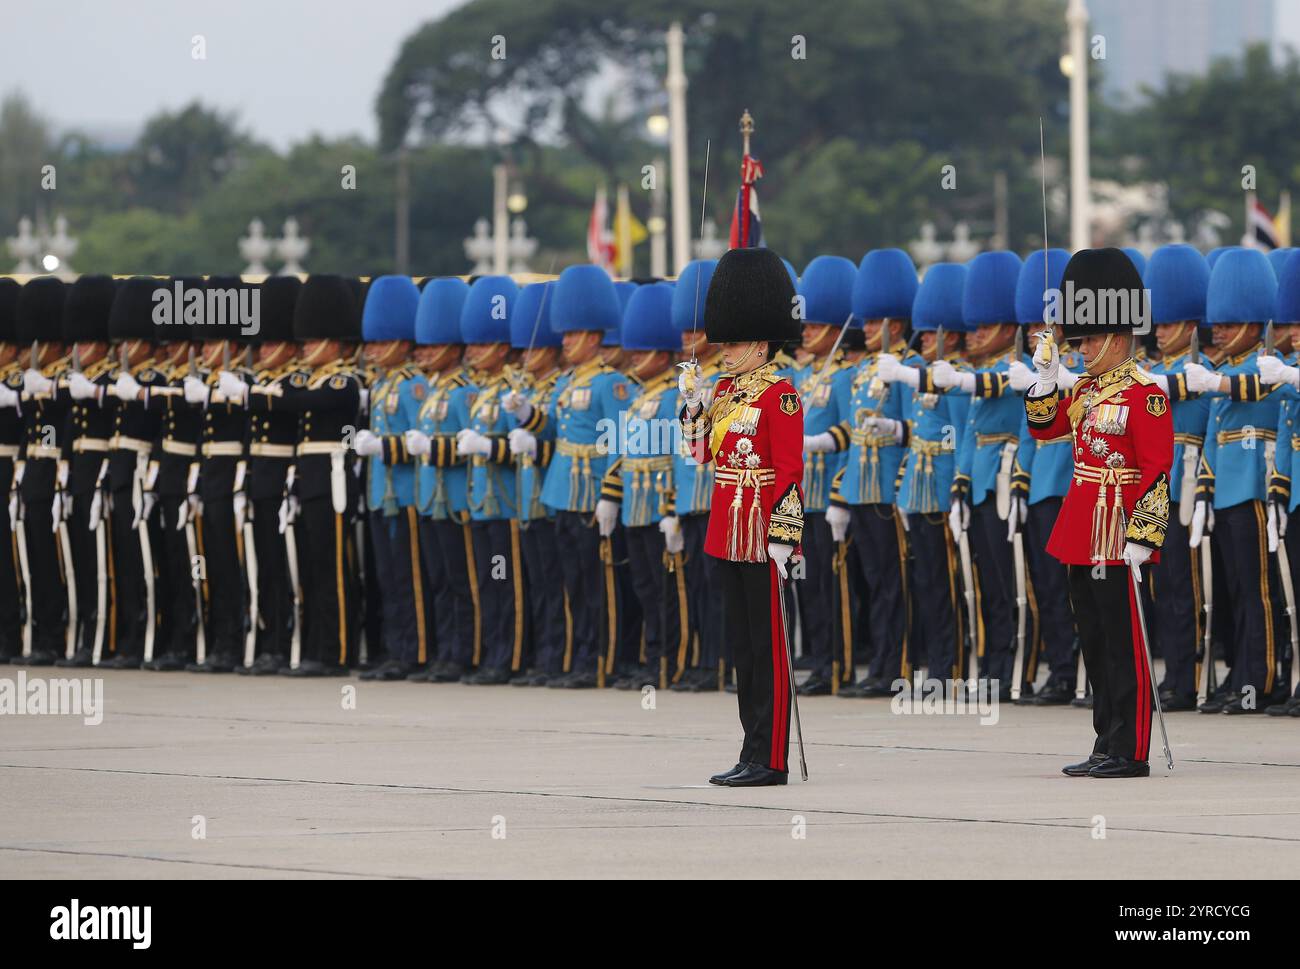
147, 501
1020, 377
1202, 522
1282, 519
96, 506
690, 384
606, 516
1201, 380
470, 442
891, 370
945, 375
241, 509
838, 518
367, 443
35, 382
196, 391
1273, 371
818, 443
288, 512
674, 540
1047, 363
8, 398
883, 425
1066, 379
1135, 555
13, 509
522, 442
514, 402
80, 387
417, 442
779, 554
232, 386
1160, 380
127, 387
1016, 516
958, 517
193, 507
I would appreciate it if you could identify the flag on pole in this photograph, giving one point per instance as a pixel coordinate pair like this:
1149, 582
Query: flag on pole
1261, 231
1283, 220
599, 248
628, 234
746, 223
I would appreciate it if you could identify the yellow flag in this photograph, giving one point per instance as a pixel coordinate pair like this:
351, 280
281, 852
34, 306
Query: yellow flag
628, 234
1283, 221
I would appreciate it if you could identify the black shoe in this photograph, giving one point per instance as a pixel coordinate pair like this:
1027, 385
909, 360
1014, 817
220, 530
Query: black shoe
388, 671
635, 679
38, 657
489, 677
814, 686
523, 678
81, 658
215, 663
574, 681
1237, 705
1083, 703
1121, 767
1082, 768
1213, 704
123, 661
308, 667
721, 779
268, 664
756, 775
166, 663
1177, 703
447, 672
1056, 694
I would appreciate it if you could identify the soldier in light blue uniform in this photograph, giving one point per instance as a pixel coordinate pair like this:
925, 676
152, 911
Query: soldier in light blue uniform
589, 394
1040, 478
876, 424
388, 327
1283, 497
446, 545
694, 573
1234, 473
1177, 276
483, 440
536, 377
981, 491
825, 293
638, 485
925, 477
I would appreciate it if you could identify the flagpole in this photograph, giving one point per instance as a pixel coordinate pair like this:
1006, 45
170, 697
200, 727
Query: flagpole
681, 190
1076, 17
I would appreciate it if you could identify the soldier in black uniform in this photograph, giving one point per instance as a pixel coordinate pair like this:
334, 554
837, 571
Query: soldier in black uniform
137, 538
272, 438
328, 404
11, 425
220, 479
40, 311
91, 414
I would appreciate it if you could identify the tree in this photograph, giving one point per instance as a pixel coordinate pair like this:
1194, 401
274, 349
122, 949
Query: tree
26, 146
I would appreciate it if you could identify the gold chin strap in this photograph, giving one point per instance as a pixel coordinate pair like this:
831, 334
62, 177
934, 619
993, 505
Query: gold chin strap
745, 359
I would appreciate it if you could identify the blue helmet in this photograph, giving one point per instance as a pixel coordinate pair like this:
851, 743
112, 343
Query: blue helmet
1032, 284
1243, 288
1213, 255
648, 319
990, 292
585, 299
938, 299
692, 281
1288, 290
437, 320
389, 313
530, 320
885, 286
827, 289
1136, 257
485, 317
1277, 259
1178, 278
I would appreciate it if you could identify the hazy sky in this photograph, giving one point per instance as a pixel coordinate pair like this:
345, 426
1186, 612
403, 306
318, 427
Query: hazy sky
289, 67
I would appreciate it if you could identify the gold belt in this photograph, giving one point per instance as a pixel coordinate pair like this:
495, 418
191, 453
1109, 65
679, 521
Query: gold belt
872, 440
321, 447
663, 462
578, 450
222, 449
1256, 434
983, 439
745, 477
1064, 438
921, 446
183, 448
1106, 476
83, 444
8, 450
261, 450
43, 451
138, 445
1189, 439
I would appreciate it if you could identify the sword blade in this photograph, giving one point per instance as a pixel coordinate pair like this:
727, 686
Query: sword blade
1135, 578
789, 672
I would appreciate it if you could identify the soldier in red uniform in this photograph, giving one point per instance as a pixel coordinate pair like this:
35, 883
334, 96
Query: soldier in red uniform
753, 434
1113, 518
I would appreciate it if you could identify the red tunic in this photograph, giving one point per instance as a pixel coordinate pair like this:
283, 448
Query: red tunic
1123, 449
753, 433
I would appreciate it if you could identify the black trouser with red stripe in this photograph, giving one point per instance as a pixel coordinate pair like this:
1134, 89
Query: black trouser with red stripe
751, 617
1111, 638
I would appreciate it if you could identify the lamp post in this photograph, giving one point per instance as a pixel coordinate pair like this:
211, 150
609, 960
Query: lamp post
1076, 19
681, 190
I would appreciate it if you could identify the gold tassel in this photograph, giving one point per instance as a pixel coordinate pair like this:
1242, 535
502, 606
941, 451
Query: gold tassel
733, 525
1099, 525
757, 551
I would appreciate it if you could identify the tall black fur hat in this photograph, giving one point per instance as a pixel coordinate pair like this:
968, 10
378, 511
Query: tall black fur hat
86, 308
750, 298
131, 317
279, 296
40, 311
326, 310
1102, 292
9, 290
